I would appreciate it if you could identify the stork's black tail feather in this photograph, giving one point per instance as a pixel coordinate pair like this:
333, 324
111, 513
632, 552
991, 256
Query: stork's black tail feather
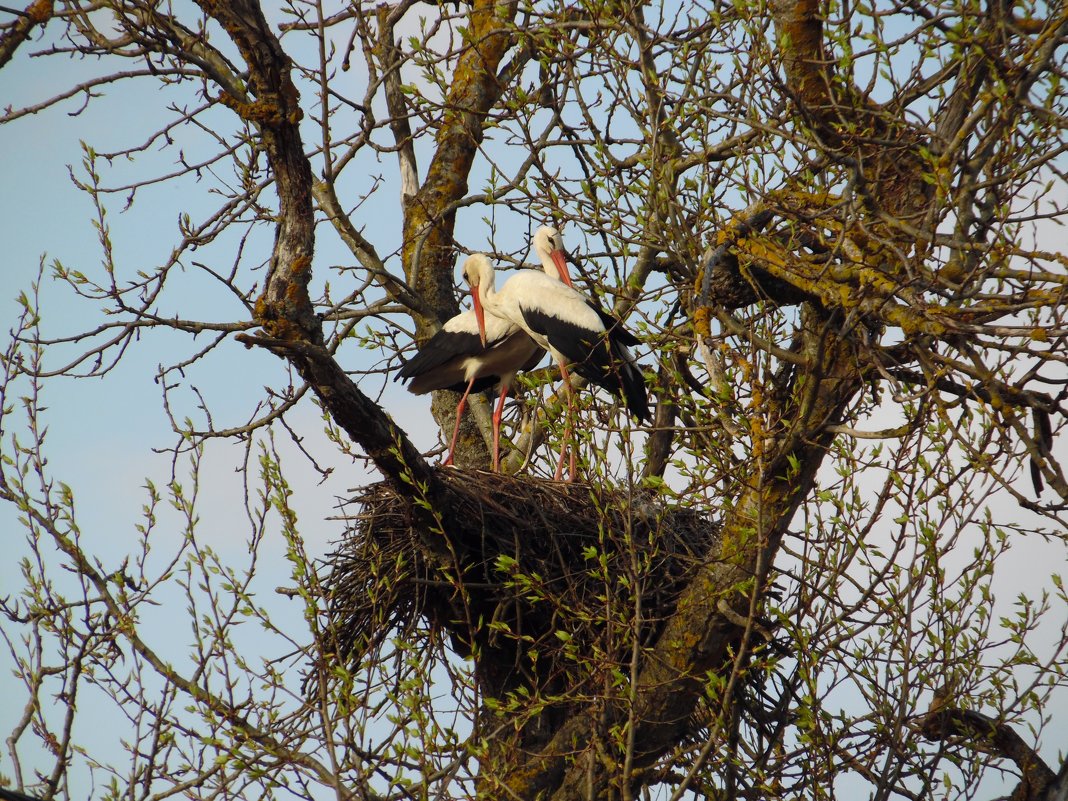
635, 392
632, 387
15, 795
611, 366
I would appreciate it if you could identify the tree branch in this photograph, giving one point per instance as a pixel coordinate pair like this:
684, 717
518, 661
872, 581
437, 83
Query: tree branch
38, 13
987, 733
703, 633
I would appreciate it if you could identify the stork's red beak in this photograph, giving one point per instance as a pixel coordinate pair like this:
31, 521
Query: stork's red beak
480, 315
561, 266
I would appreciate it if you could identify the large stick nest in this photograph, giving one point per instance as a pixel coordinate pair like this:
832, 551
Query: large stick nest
531, 564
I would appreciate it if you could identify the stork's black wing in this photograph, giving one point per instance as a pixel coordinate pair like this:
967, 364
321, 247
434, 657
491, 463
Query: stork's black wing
614, 327
598, 356
443, 347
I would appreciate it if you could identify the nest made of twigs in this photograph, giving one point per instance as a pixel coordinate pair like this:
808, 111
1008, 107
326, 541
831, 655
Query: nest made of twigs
529, 563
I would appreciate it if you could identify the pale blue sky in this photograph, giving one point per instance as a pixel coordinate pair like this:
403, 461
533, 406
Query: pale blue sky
102, 432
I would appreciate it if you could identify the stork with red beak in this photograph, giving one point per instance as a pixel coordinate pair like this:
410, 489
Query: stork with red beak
560, 320
466, 357
549, 247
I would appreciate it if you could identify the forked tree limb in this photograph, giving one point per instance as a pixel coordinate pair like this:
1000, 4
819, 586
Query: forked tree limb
285, 310
38, 13
428, 251
987, 734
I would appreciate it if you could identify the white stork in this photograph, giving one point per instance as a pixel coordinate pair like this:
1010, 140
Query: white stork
560, 320
549, 248
462, 358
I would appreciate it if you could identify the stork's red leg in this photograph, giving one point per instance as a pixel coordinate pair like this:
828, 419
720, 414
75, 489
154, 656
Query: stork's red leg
565, 443
497, 413
559, 474
456, 426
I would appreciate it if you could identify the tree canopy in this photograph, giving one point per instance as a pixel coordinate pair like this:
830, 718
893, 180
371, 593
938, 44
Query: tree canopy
836, 230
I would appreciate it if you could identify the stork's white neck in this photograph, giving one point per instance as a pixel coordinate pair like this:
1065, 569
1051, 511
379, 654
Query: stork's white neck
543, 247
487, 285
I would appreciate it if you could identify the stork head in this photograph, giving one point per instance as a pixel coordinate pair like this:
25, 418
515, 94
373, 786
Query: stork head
478, 271
549, 245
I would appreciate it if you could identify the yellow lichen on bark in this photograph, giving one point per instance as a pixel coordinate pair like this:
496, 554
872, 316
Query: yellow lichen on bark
260, 112
702, 321
40, 11
800, 34
472, 93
